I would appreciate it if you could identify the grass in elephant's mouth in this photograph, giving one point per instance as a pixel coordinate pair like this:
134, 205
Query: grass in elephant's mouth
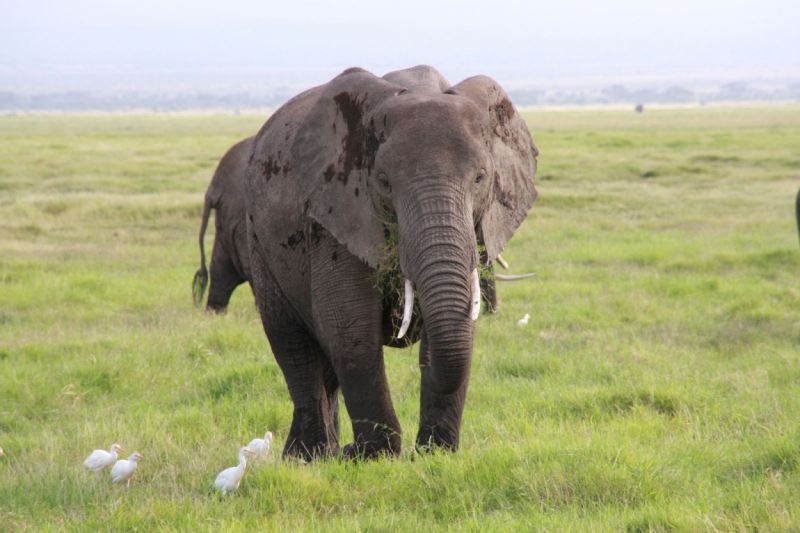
654, 388
389, 279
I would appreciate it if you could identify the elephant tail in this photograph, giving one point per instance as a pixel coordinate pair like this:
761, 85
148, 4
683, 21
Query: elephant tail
200, 281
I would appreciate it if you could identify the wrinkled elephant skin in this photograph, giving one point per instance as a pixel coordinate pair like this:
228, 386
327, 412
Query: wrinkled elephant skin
331, 171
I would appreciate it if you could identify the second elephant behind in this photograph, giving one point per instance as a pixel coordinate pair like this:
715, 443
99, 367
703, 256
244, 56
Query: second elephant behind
230, 257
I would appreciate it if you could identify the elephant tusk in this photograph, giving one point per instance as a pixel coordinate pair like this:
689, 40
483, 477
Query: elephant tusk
516, 277
476, 295
408, 306
502, 262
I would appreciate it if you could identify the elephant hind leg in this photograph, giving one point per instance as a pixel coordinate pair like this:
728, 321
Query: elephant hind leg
224, 280
312, 383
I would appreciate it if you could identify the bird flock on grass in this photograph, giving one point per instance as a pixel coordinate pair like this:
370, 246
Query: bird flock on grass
122, 470
227, 481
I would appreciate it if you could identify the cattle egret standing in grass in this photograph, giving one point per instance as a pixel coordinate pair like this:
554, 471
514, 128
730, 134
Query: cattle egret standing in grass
260, 447
228, 480
99, 460
2, 453
524, 320
124, 468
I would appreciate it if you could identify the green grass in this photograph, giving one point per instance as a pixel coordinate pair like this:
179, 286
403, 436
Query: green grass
654, 389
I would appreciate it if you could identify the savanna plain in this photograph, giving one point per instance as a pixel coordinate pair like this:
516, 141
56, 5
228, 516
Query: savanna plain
656, 386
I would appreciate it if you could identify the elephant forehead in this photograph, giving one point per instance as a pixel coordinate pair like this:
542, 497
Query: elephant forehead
440, 112
434, 128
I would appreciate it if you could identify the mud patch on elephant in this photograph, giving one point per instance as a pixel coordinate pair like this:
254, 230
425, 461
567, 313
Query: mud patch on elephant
504, 111
353, 141
293, 241
316, 232
269, 168
373, 143
329, 173
272, 166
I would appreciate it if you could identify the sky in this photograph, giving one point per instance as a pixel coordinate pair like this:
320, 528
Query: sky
241, 42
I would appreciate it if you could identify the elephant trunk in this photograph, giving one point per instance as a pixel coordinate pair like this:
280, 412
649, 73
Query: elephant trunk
449, 331
438, 253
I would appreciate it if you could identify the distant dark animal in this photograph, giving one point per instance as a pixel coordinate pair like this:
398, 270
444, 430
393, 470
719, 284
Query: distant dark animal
797, 210
336, 173
639, 108
230, 258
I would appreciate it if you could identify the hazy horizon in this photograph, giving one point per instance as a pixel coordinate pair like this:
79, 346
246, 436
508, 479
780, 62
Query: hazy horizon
88, 45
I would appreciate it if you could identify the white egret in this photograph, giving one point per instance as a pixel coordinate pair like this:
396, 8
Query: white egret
260, 447
99, 460
124, 468
2, 453
524, 320
228, 480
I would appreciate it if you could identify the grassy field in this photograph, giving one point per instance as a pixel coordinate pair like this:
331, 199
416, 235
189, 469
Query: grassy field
656, 387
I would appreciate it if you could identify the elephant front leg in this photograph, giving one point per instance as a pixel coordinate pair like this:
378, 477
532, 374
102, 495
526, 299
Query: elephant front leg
311, 380
315, 394
440, 414
348, 321
376, 430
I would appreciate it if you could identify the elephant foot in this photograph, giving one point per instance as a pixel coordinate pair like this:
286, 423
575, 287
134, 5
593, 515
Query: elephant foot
440, 419
216, 309
370, 450
374, 444
433, 438
301, 452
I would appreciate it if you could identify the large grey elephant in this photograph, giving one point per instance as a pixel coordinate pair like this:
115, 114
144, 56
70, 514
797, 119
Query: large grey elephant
230, 257
337, 175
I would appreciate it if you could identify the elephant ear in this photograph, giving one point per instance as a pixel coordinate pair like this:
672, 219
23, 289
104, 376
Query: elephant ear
335, 149
514, 159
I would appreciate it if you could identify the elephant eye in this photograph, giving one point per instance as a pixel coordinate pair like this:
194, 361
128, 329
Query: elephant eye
383, 183
481, 175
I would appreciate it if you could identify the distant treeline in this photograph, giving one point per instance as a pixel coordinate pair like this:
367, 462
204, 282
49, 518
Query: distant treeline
135, 101
619, 94
161, 102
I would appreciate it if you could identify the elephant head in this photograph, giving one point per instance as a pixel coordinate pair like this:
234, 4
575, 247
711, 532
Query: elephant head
454, 166
397, 148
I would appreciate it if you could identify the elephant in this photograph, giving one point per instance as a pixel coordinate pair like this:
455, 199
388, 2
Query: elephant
341, 175
230, 261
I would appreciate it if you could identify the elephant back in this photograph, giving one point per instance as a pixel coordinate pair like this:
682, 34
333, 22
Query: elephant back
419, 79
